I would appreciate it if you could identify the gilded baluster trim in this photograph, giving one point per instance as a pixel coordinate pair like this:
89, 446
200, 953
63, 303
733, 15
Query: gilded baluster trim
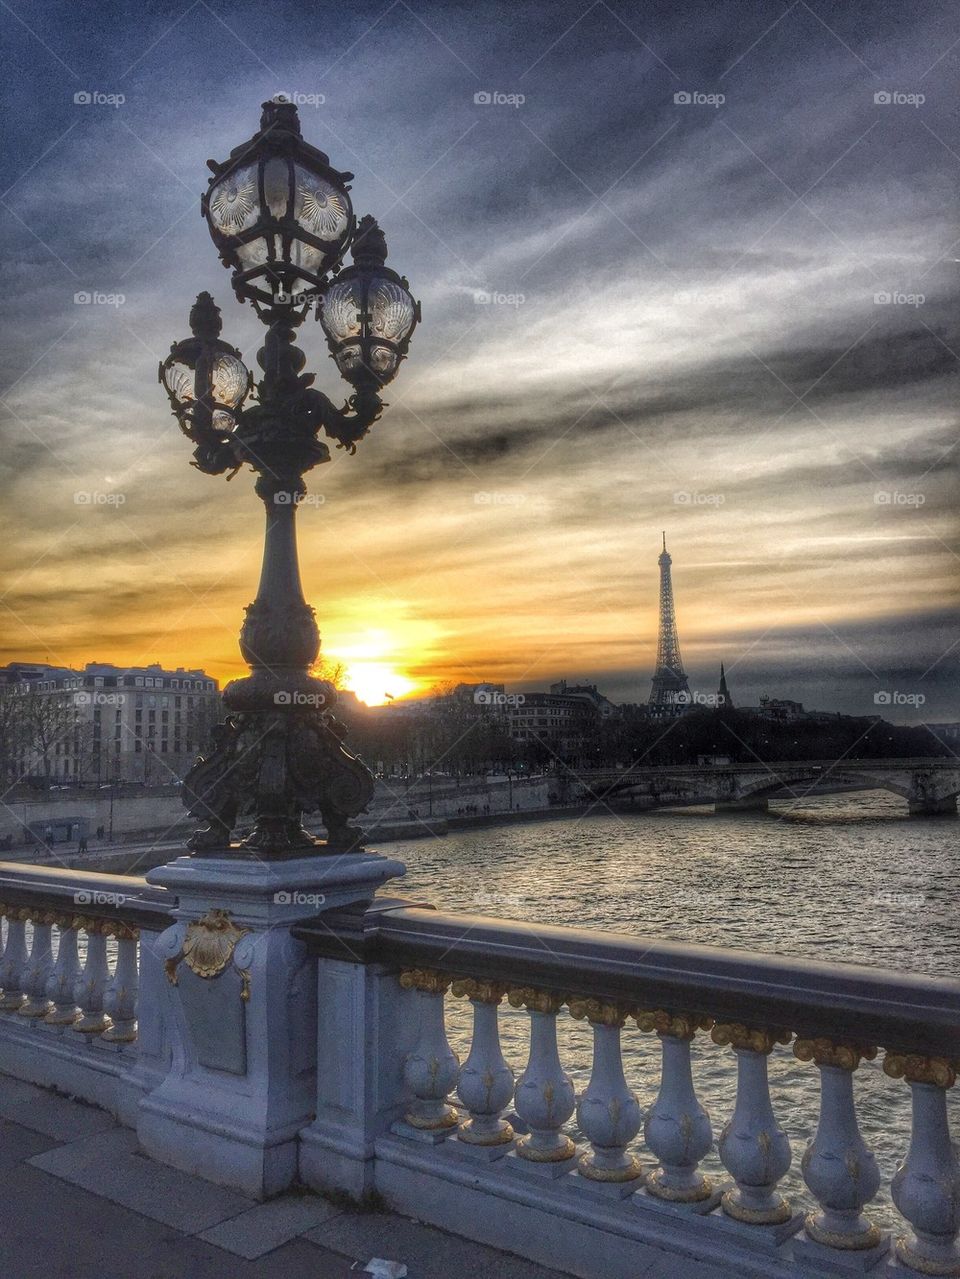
676, 1127
431, 1070
825, 1052
544, 1097
677, 1025
915, 1069
926, 1185
486, 1081
597, 1011
608, 1111
838, 1167
427, 980
752, 1146
753, 1039
534, 1000
480, 991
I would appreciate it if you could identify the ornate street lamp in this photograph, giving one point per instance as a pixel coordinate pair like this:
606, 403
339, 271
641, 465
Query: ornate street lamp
282, 219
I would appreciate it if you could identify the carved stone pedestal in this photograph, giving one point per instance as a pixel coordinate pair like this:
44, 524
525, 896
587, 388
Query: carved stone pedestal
236, 1028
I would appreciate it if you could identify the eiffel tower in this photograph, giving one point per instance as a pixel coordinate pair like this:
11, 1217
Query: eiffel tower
670, 692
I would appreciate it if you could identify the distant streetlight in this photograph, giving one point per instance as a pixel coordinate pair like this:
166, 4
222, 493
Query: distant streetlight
282, 218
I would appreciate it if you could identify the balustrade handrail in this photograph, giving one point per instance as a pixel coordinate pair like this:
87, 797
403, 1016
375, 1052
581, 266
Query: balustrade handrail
902, 1012
128, 898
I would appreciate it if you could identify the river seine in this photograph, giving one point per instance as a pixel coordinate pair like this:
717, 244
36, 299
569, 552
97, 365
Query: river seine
850, 879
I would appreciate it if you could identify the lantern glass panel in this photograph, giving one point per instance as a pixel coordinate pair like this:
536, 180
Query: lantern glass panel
178, 380
383, 361
254, 252
319, 207
342, 305
276, 186
234, 201
391, 311
230, 380
223, 423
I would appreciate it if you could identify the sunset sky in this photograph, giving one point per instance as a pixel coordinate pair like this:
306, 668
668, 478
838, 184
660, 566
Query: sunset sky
684, 333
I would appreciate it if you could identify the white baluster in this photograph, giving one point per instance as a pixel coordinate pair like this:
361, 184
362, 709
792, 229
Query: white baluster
677, 1128
753, 1148
486, 1081
62, 982
120, 999
39, 967
837, 1165
431, 1070
608, 1112
545, 1097
14, 966
92, 983
926, 1186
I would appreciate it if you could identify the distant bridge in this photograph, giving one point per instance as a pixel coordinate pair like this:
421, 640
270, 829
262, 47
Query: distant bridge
929, 786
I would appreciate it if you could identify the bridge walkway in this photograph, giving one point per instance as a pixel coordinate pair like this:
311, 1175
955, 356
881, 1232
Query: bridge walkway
79, 1201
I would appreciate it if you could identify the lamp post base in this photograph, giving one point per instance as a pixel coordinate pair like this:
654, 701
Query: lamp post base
272, 766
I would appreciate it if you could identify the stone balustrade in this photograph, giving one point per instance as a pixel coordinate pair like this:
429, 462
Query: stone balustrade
543, 1142
69, 976
555, 1147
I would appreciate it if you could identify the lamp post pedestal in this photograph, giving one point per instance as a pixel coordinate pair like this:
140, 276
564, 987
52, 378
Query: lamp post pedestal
235, 1029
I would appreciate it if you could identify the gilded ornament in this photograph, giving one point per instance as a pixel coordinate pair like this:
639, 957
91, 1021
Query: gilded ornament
750, 1038
479, 990
827, 1052
536, 1001
916, 1069
427, 980
676, 1025
597, 1011
208, 946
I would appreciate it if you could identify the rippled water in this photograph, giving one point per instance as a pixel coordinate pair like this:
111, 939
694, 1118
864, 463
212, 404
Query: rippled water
850, 878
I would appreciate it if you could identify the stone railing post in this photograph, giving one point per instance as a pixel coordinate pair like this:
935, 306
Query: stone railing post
432, 1068
753, 1147
486, 1081
837, 1165
677, 1128
926, 1186
62, 982
235, 1034
93, 980
14, 966
545, 1097
39, 967
364, 1034
608, 1112
120, 997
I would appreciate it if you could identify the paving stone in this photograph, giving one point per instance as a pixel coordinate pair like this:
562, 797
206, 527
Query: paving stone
17, 1144
108, 1165
54, 1116
266, 1226
427, 1252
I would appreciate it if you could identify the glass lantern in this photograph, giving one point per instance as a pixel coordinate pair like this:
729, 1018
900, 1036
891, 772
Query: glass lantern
278, 212
205, 378
368, 313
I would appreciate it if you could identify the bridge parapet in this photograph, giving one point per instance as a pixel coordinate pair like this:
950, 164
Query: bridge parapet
394, 1110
